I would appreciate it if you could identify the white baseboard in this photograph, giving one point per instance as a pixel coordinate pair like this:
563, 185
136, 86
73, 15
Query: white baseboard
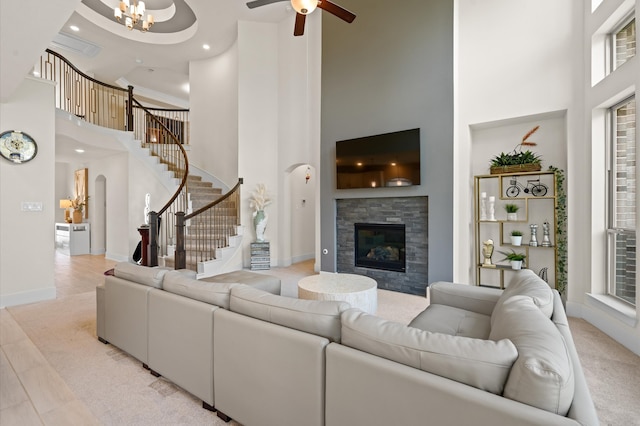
24, 297
620, 331
303, 257
117, 257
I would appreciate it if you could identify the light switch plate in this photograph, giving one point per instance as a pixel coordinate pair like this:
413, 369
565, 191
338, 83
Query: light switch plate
31, 206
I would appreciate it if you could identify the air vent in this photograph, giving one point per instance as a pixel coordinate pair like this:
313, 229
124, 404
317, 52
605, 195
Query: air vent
75, 45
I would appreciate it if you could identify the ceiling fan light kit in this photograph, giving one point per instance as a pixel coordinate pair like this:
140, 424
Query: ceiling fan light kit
305, 7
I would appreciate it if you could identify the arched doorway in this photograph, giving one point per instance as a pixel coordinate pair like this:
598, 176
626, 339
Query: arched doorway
299, 214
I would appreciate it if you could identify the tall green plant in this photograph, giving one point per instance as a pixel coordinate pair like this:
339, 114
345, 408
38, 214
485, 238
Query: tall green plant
561, 224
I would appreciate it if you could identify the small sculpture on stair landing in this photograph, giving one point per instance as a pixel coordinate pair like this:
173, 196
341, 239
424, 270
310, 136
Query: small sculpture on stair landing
147, 208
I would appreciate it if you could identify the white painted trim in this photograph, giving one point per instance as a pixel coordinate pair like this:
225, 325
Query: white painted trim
24, 297
116, 257
303, 257
596, 315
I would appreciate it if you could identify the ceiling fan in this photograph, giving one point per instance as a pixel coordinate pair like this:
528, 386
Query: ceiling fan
305, 7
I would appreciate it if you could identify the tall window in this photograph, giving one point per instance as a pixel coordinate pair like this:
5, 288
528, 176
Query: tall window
622, 202
624, 42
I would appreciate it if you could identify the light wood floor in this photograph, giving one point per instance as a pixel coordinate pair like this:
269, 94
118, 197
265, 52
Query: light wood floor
31, 391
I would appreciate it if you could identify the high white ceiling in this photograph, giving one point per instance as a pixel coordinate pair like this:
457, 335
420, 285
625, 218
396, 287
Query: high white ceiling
156, 63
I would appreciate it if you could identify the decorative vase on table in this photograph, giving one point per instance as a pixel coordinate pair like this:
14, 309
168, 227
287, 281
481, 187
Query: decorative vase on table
260, 219
77, 216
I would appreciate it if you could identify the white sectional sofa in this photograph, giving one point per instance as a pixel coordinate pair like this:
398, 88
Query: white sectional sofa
476, 355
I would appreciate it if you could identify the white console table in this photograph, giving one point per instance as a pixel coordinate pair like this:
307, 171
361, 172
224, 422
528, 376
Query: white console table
73, 238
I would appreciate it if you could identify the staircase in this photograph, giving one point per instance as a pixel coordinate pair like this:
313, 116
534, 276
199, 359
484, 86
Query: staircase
210, 240
198, 223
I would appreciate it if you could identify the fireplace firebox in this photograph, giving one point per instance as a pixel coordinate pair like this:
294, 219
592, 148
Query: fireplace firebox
380, 246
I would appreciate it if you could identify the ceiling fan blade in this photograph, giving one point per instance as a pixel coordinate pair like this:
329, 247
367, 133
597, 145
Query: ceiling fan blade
298, 29
336, 10
258, 3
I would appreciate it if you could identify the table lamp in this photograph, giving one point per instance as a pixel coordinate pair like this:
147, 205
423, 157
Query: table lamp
66, 205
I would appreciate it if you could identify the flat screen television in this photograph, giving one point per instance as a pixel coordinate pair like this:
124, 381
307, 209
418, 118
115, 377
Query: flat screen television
378, 161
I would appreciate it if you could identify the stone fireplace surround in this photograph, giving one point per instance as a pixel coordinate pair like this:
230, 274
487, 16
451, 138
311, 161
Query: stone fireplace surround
410, 211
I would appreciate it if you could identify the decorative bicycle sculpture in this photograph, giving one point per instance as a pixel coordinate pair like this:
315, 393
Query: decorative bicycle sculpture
533, 187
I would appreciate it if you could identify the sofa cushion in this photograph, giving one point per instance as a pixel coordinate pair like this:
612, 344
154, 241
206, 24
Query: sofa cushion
212, 293
484, 364
140, 274
321, 318
542, 376
264, 282
453, 321
526, 283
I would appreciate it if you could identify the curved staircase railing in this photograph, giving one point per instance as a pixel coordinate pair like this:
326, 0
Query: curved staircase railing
166, 146
199, 235
196, 236
85, 97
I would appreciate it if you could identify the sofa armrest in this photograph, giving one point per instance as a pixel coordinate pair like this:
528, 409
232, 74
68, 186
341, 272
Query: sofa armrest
468, 297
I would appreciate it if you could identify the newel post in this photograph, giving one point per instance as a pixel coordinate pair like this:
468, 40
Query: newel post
153, 239
180, 255
130, 109
144, 233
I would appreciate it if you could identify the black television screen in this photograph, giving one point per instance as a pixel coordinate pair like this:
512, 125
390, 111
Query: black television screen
387, 160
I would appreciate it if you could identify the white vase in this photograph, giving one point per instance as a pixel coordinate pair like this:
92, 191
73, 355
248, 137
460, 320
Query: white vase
260, 219
516, 240
512, 216
516, 264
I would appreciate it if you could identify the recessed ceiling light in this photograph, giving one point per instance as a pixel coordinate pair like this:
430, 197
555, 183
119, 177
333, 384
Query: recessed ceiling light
206, 46
79, 151
74, 28
138, 61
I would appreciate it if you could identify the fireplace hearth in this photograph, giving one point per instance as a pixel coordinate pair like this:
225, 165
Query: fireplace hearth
380, 246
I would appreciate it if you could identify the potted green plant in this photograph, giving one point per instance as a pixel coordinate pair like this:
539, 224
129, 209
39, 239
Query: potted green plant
517, 160
516, 259
512, 211
516, 237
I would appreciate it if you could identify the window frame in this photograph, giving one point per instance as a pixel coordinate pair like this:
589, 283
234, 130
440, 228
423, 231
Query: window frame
612, 230
611, 45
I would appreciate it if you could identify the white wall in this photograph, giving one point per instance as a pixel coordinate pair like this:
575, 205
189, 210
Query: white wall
258, 123
303, 213
509, 79
27, 238
214, 115
277, 122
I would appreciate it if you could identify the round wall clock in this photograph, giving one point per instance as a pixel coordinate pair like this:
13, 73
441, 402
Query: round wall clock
17, 147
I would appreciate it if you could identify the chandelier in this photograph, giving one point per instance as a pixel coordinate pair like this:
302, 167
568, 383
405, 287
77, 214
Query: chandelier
134, 13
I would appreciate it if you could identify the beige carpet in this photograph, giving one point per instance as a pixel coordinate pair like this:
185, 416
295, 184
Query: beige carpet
118, 391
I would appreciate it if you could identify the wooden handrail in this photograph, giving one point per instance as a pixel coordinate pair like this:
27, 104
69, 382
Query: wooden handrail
85, 97
207, 228
111, 106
